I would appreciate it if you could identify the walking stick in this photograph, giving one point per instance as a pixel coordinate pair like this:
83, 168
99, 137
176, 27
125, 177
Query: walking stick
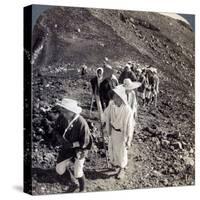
99, 107
91, 104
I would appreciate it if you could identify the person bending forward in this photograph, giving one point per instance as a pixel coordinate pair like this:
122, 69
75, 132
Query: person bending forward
73, 134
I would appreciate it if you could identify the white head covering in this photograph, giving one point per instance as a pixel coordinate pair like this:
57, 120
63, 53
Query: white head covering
139, 70
100, 68
70, 104
127, 66
154, 70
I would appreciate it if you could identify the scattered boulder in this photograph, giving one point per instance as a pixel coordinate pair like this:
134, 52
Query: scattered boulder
151, 131
156, 173
189, 161
165, 143
177, 145
174, 135
165, 182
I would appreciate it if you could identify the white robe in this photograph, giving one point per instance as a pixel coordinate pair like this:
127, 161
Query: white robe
120, 118
132, 101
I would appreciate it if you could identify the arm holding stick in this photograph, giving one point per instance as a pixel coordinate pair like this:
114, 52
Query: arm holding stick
101, 124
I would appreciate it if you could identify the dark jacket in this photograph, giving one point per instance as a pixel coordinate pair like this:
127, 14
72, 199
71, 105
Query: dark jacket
105, 91
78, 132
127, 74
143, 82
94, 84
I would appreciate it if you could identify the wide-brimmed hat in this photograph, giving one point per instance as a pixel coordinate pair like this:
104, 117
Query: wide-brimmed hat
70, 104
108, 67
130, 85
120, 91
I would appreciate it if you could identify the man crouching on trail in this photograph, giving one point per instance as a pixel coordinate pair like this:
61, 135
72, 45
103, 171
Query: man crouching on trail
73, 134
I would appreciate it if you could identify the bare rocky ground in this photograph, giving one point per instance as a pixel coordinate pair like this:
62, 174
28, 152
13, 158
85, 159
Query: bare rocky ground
163, 148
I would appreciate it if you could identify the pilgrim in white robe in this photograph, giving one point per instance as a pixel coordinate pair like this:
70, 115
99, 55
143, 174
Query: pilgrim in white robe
119, 126
132, 101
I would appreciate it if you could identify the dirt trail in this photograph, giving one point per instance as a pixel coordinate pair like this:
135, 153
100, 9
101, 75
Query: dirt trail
98, 176
152, 163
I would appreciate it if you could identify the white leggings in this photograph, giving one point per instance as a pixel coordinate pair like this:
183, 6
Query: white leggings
78, 167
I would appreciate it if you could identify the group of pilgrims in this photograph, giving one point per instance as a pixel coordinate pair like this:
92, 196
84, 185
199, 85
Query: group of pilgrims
144, 81
117, 104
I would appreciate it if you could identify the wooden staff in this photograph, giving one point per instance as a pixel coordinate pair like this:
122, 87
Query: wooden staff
99, 107
91, 104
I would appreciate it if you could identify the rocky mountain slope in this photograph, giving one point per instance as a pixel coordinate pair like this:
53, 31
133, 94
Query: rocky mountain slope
64, 39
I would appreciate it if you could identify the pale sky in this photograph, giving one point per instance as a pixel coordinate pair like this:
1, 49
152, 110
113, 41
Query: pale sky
175, 16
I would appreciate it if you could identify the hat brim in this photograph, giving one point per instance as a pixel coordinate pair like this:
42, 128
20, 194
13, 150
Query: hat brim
108, 67
76, 109
133, 86
122, 95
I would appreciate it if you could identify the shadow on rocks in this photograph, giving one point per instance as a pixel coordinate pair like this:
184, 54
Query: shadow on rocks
99, 174
49, 176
